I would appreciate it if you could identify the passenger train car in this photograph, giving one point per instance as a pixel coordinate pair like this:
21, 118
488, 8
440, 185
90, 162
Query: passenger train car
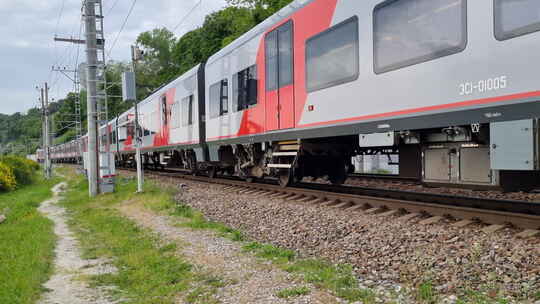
449, 85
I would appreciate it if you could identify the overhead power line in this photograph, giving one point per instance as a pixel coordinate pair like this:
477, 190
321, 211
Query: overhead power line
111, 8
187, 16
59, 17
122, 28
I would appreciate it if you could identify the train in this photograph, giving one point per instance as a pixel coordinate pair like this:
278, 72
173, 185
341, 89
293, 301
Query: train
447, 85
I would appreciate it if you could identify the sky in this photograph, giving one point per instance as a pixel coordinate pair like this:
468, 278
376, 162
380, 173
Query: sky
27, 49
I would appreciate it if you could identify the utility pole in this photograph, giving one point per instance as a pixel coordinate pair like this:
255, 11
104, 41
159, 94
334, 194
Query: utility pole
46, 132
135, 56
92, 65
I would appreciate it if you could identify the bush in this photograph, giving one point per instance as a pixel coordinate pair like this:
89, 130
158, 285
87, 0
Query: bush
23, 170
7, 178
32, 164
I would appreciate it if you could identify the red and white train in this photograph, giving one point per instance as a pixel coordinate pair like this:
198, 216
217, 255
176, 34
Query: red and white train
449, 85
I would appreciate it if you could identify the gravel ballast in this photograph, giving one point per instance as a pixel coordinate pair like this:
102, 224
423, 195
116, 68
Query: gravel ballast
384, 249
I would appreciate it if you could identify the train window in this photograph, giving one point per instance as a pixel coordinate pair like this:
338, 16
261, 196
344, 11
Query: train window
187, 111
285, 46
176, 115
515, 18
219, 98
332, 56
131, 130
279, 57
408, 32
164, 116
245, 90
271, 61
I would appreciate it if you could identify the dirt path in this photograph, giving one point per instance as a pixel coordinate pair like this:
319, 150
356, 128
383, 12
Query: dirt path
67, 285
248, 280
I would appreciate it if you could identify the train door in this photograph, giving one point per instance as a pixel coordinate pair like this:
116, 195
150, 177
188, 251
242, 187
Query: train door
164, 113
279, 78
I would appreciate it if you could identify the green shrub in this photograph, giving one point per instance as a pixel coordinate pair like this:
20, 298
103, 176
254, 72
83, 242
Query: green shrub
7, 178
23, 170
32, 164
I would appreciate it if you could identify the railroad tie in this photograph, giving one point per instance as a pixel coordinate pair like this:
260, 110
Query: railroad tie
389, 213
297, 196
315, 201
373, 210
252, 191
528, 233
259, 192
265, 193
356, 208
275, 195
431, 220
462, 223
409, 216
306, 199
329, 203
286, 195
492, 228
343, 205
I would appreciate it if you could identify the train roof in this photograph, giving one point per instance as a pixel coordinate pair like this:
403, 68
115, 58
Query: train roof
262, 27
172, 84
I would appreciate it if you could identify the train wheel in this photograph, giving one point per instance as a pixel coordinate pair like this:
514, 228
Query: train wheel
286, 178
249, 179
212, 172
339, 173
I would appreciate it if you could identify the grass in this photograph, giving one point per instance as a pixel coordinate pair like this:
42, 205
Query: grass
270, 252
477, 297
293, 292
426, 293
196, 220
26, 243
339, 279
148, 270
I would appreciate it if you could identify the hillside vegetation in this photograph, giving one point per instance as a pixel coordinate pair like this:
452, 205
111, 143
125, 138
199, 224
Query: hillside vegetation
166, 57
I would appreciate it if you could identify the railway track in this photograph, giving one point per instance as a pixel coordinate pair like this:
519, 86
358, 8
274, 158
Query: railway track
496, 214
357, 177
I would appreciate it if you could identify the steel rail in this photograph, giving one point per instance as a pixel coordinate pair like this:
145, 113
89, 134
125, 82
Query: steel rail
517, 214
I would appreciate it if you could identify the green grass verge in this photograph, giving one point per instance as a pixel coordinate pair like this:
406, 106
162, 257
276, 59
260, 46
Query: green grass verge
339, 279
195, 220
293, 292
26, 243
148, 270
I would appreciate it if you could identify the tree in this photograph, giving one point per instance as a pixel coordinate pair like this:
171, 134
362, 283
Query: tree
261, 9
158, 63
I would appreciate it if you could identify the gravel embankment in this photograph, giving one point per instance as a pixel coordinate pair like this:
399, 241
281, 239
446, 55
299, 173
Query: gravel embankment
384, 250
